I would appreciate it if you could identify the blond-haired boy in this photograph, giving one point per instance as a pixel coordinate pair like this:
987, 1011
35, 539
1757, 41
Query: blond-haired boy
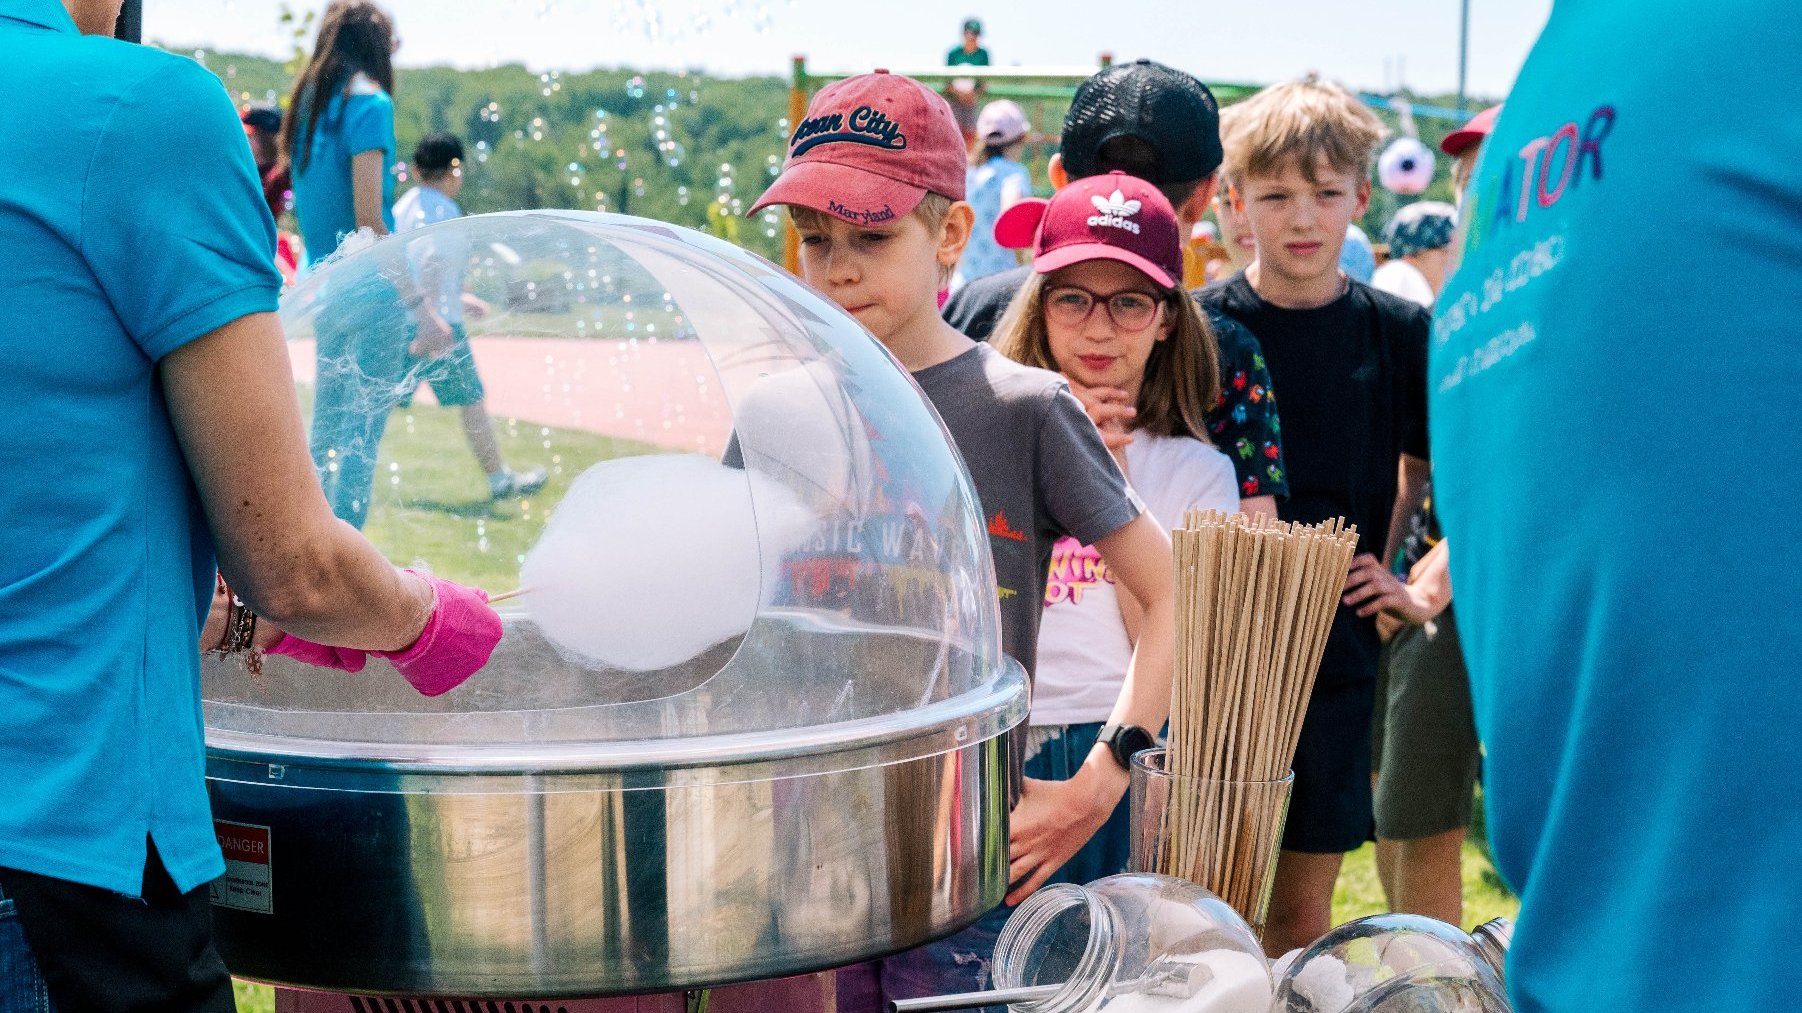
874, 183
1351, 364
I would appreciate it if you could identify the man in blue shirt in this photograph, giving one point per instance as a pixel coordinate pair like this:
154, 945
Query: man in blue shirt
1619, 336
133, 224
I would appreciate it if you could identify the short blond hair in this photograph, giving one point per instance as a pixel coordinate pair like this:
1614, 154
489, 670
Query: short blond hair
1297, 123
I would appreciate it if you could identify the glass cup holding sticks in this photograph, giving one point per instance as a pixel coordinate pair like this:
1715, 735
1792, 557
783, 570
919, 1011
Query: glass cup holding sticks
1221, 835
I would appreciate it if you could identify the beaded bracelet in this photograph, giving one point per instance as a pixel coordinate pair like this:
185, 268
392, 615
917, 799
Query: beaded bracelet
243, 626
239, 635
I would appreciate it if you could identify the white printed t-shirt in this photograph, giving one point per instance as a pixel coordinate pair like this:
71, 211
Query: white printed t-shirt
1083, 647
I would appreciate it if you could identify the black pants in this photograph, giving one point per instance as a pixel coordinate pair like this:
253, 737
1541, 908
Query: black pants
99, 950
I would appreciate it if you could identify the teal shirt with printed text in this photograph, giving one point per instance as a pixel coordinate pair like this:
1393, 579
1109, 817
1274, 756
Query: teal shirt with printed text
133, 222
1618, 342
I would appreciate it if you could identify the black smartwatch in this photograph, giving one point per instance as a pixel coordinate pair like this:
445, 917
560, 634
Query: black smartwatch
1125, 740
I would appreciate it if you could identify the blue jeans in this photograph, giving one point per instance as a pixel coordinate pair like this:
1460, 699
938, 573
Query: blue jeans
964, 962
21, 985
360, 377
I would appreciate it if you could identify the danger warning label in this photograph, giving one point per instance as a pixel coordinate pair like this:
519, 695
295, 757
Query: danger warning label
245, 885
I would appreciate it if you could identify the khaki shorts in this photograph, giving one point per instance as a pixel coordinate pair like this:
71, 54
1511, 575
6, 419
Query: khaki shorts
1423, 738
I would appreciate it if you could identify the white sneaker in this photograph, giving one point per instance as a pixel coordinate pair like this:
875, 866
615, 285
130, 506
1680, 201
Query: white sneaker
509, 483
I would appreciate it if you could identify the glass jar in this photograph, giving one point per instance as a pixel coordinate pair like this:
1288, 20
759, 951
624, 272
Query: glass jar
1397, 963
1134, 943
1224, 835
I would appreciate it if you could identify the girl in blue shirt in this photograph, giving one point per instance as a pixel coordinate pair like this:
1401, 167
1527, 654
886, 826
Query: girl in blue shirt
340, 142
995, 181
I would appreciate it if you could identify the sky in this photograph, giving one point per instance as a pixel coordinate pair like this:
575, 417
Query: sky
1367, 44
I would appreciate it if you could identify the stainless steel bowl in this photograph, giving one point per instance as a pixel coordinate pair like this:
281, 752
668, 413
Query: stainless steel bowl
562, 867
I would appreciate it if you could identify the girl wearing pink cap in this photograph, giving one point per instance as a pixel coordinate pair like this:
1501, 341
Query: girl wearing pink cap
1105, 308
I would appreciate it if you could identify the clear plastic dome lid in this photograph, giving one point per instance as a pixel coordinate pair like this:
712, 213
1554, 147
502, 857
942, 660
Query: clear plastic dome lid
736, 528
1395, 963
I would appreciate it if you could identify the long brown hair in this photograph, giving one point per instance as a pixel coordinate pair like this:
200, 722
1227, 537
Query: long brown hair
354, 36
1182, 377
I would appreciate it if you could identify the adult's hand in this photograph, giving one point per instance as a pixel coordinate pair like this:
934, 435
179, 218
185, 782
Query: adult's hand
457, 639
344, 659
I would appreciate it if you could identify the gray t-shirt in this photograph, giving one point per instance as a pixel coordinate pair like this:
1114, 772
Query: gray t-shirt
1041, 472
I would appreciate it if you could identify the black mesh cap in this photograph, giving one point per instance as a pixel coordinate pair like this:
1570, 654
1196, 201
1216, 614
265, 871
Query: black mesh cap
1169, 110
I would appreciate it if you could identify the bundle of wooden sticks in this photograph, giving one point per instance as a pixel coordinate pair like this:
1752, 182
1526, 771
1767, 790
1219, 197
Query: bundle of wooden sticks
1255, 599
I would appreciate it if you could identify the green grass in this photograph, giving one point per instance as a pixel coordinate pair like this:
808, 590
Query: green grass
1359, 893
439, 511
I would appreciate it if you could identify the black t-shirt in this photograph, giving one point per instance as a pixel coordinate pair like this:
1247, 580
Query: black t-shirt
1353, 377
1243, 421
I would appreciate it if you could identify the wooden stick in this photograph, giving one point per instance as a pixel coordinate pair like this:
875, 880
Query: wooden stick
506, 595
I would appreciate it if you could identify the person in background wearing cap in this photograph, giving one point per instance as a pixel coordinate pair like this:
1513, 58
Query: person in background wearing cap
965, 93
1160, 125
150, 422
882, 221
1420, 252
1464, 145
263, 127
1106, 308
995, 181
1629, 614
1235, 231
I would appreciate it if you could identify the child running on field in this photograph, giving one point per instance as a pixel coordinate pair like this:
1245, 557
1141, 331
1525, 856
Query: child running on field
875, 183
1351, 363
1105, 307
438, 264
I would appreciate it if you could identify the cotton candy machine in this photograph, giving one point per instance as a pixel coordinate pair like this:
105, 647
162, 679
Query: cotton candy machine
747, 722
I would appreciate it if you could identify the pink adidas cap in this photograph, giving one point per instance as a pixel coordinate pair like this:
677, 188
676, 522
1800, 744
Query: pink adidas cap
870, 150
1109, 217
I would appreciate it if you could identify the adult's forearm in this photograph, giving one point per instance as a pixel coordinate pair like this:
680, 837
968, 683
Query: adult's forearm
231, 399
338, 590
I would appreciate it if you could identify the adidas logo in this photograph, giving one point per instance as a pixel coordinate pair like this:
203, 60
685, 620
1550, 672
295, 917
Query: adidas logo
1115, 212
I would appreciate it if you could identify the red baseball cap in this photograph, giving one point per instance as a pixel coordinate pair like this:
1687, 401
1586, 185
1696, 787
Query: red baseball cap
870, 149
1459, 141
1109, 217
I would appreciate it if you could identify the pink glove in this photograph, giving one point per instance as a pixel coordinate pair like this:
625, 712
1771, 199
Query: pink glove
344, 659
456, 641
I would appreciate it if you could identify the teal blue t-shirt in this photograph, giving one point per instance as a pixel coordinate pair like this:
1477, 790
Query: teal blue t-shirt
1616, 390
132, 222
354, 122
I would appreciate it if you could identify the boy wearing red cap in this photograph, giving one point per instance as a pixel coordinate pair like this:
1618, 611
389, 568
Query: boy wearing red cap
875, 183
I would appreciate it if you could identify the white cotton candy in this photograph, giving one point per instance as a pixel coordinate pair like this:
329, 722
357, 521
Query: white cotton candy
1241, 984
1279, 968
1323, 981
799, 426
1224, 981
649, 561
